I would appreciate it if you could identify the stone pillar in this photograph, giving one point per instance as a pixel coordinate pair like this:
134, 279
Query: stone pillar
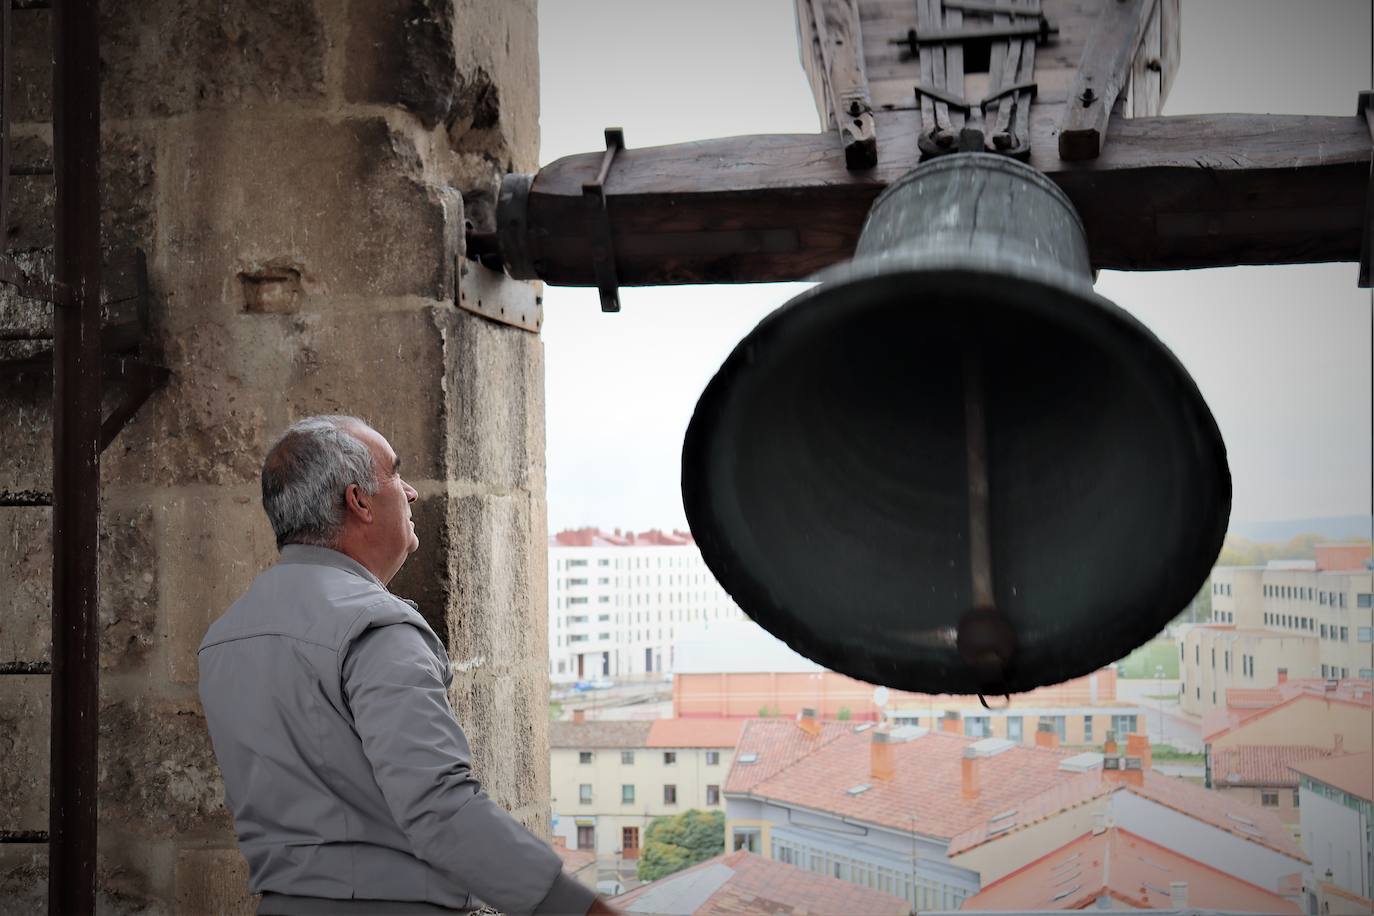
296, 172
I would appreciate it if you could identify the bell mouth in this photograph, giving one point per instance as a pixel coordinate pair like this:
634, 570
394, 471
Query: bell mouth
825, 476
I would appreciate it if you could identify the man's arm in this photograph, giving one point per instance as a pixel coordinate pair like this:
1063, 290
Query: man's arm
421, 760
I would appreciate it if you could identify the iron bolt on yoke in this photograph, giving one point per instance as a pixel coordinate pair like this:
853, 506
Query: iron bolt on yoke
1040, 30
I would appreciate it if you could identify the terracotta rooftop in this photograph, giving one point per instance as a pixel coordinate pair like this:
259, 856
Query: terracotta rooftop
574, 860
773, 745
1251, 765
1353, 774
695, 732
745, 884
1235, 817
927, 778
591, 735
595, 537
1128, 869
1246, 705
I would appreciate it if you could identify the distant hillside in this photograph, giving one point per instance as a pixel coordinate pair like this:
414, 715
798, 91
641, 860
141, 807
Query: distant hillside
1331, 528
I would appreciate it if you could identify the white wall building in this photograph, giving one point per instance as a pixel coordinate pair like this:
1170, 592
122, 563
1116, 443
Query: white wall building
1337, 805
616, 601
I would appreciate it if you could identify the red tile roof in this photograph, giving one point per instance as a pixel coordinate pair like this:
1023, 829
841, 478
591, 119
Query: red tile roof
595, 537
574, 860
1251, 765
1127, 868
776, 743
1245, 705
747, 883
591, 735
927, 779
1235, 817
695, 732
1351, 773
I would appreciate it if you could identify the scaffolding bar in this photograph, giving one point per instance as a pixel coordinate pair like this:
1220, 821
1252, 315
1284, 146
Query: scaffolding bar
76, 458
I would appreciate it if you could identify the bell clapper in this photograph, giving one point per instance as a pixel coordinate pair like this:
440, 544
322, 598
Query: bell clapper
985, 639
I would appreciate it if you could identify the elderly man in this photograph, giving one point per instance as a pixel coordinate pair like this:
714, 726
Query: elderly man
348, 777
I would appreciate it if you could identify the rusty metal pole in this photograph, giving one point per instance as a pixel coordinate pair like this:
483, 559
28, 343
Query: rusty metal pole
76, 458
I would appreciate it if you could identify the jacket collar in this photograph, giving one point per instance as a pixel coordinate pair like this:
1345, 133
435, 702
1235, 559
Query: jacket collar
310, 555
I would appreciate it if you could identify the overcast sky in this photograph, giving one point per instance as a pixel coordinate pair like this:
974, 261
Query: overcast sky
1282, 354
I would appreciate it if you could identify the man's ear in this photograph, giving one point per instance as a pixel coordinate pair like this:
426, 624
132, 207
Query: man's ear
358, 503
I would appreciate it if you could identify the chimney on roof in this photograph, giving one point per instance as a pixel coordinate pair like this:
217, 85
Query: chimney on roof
579, 715
1132, 773
1139, 746
949, 722
1340, 743
1178, 895
1109, 746
880, 765
1283, 675
806, 721
1046, 736
969, 773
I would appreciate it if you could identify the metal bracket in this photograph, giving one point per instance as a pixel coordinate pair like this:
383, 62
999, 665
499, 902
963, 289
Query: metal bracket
603, 246
142, 380
493, 295
1042, 30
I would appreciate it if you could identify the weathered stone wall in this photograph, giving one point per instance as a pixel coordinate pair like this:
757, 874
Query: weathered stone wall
293, 169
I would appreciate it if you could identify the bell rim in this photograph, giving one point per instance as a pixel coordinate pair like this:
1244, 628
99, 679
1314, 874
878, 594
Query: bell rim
1209, 453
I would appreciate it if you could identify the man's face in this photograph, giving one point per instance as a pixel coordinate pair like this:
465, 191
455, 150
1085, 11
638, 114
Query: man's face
393, 532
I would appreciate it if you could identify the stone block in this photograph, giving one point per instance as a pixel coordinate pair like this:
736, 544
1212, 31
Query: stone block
158, 775
169, 57
31, 66
213, 881
26, 599
211, 546
127, 586
127, 190
23, 879
404, 52
25, 415
424, 578
495, 385
345, 203
30, 208
489, 624
24, 725
500, 39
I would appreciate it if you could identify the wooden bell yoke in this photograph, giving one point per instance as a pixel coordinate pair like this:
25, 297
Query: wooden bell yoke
1072, 88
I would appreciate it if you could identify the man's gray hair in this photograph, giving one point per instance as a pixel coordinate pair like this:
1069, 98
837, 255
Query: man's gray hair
306, 473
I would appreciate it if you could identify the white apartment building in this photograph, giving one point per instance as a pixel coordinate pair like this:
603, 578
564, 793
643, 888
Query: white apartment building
1288, 619
617, 599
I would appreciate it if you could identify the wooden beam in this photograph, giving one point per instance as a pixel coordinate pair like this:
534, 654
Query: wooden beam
1168, 193
839, 39
1102, 74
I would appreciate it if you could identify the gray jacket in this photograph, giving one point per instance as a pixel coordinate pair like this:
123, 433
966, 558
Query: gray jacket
344, 768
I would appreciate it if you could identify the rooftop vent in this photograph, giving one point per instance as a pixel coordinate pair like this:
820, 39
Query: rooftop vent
863, 727
1081, 763
860, 789
750, 757
906, 733
990, 747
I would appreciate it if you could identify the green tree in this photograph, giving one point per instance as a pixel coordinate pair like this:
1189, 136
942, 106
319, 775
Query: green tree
674, 843
844, 714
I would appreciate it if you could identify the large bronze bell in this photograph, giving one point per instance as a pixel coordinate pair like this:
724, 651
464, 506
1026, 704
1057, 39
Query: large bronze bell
951, 467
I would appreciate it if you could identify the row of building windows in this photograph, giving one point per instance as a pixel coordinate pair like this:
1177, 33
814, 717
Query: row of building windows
1221, 588
641, 581
915, 888
629, 563
627, 758
627, 794
1223, 616
1269, 798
